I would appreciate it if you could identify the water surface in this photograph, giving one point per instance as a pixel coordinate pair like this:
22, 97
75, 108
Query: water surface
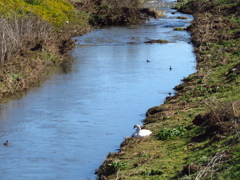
65, 128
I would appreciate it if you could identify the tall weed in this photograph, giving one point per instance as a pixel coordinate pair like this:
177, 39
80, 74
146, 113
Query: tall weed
20, 33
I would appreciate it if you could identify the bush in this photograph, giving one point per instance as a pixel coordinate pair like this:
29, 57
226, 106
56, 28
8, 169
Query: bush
19, 33
55, 12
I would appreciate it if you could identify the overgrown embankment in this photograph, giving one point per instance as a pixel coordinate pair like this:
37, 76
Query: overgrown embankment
196, 131
36, 34
115, 12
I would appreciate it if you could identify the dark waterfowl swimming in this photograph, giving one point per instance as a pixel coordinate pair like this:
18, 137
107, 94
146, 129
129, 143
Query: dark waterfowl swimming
6, 143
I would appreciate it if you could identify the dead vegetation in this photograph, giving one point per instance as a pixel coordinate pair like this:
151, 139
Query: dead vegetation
19, 34
221, 121
28, 46
216, 28
211, 167
108, 12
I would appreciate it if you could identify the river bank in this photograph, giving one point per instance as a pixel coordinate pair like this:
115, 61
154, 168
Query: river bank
210, 94
196, 131
34, 42
43, 37
82, 107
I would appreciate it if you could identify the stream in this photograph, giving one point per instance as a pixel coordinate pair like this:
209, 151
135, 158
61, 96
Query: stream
65, 128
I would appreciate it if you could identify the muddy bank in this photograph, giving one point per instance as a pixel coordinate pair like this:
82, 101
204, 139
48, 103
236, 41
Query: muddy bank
204, 111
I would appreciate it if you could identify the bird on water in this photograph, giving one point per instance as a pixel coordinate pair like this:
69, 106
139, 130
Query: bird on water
6, 143
141, 133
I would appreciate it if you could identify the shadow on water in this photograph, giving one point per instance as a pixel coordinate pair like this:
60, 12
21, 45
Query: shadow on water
65, 128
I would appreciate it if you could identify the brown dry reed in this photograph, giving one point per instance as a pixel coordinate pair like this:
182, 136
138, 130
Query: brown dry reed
222, 111
20, 33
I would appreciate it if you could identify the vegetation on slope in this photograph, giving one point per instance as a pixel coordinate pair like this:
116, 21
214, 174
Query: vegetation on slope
115, 12
195, 132
35, 34
56, 12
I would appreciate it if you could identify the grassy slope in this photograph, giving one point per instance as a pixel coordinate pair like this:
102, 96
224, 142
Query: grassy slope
208, 145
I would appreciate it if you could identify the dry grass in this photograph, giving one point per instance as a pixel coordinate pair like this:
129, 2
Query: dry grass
221, 111
108, 12
205, 30
20, 33
28, 47
125, 3
212, 166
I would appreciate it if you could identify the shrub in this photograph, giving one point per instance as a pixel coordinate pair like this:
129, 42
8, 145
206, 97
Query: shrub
55, 12
19, 33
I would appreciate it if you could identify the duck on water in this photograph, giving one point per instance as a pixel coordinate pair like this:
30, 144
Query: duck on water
6, 143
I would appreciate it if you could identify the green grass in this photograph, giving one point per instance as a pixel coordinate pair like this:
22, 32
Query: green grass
168, 133
176, 141
116, 166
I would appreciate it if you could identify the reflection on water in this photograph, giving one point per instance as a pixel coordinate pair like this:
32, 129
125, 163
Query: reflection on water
65, 128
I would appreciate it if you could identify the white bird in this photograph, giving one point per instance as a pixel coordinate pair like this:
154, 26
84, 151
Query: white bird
141, 133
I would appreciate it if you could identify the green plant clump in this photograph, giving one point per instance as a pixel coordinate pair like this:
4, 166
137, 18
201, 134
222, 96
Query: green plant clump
151, 173
167, 133
116, 166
